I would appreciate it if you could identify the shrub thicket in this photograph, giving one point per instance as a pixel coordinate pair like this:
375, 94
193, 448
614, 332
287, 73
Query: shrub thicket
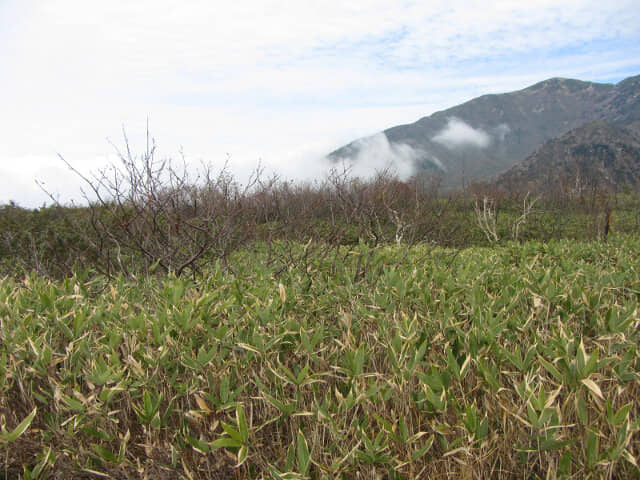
148, 215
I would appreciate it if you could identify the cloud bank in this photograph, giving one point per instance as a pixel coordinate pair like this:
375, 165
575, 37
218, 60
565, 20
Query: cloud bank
376, 154
458, 134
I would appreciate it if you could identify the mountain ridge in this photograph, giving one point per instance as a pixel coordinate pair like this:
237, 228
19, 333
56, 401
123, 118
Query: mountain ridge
487, 135
596, 156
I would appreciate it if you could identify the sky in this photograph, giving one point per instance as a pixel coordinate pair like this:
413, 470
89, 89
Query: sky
270, 82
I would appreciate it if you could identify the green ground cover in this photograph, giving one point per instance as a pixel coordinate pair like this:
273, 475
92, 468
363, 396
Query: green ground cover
511, 361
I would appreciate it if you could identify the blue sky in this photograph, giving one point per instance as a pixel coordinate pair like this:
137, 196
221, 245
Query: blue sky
274, 81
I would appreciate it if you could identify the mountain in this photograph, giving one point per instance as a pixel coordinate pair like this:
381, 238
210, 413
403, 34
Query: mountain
596, 156
623, 108
486, 136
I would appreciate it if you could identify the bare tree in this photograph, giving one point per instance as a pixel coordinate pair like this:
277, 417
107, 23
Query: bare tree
527, 208
486, 218
147, 212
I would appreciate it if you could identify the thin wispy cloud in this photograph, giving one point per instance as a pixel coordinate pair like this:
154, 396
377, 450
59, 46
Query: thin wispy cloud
257, 79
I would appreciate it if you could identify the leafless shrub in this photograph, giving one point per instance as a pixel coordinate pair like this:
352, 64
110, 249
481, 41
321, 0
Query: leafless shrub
527, 208
149, 213
486, 218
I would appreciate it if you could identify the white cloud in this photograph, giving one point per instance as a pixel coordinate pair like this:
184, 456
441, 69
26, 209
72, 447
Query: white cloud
501, 131
19, 182
132, 51
376, 154
458, 134
15, 188
279, 80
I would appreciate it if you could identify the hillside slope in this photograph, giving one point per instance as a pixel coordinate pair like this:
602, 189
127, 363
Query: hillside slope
597, 155
489, 134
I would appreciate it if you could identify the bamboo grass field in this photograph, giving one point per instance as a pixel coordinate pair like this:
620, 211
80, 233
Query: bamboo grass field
516, 360
379, 240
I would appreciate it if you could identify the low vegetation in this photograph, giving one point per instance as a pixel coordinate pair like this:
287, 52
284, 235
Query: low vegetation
519, 360
342, 329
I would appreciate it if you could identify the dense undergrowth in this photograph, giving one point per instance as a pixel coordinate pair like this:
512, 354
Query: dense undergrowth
346, 328
512, 361
110, 239
148, 215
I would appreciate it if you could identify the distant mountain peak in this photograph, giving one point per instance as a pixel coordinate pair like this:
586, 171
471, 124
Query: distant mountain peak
489, 134
560, 83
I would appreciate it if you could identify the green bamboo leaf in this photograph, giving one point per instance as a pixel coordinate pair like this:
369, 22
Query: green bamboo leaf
592, 449
105, 453
147, 403
489, 374
422, 450
404, 433
156, 421
306, 342
232, 432
622, 436
581, 409
291, 456
287, 409
581, 359
302, 376
242, 455
420, 353
302, 453
452, 365
242, 424
622, 414
275, 474
39, 469
226, 442
534, 419
8, 437
592, 364
550, 443
549, 367
483, 429
564, 466
199, 445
